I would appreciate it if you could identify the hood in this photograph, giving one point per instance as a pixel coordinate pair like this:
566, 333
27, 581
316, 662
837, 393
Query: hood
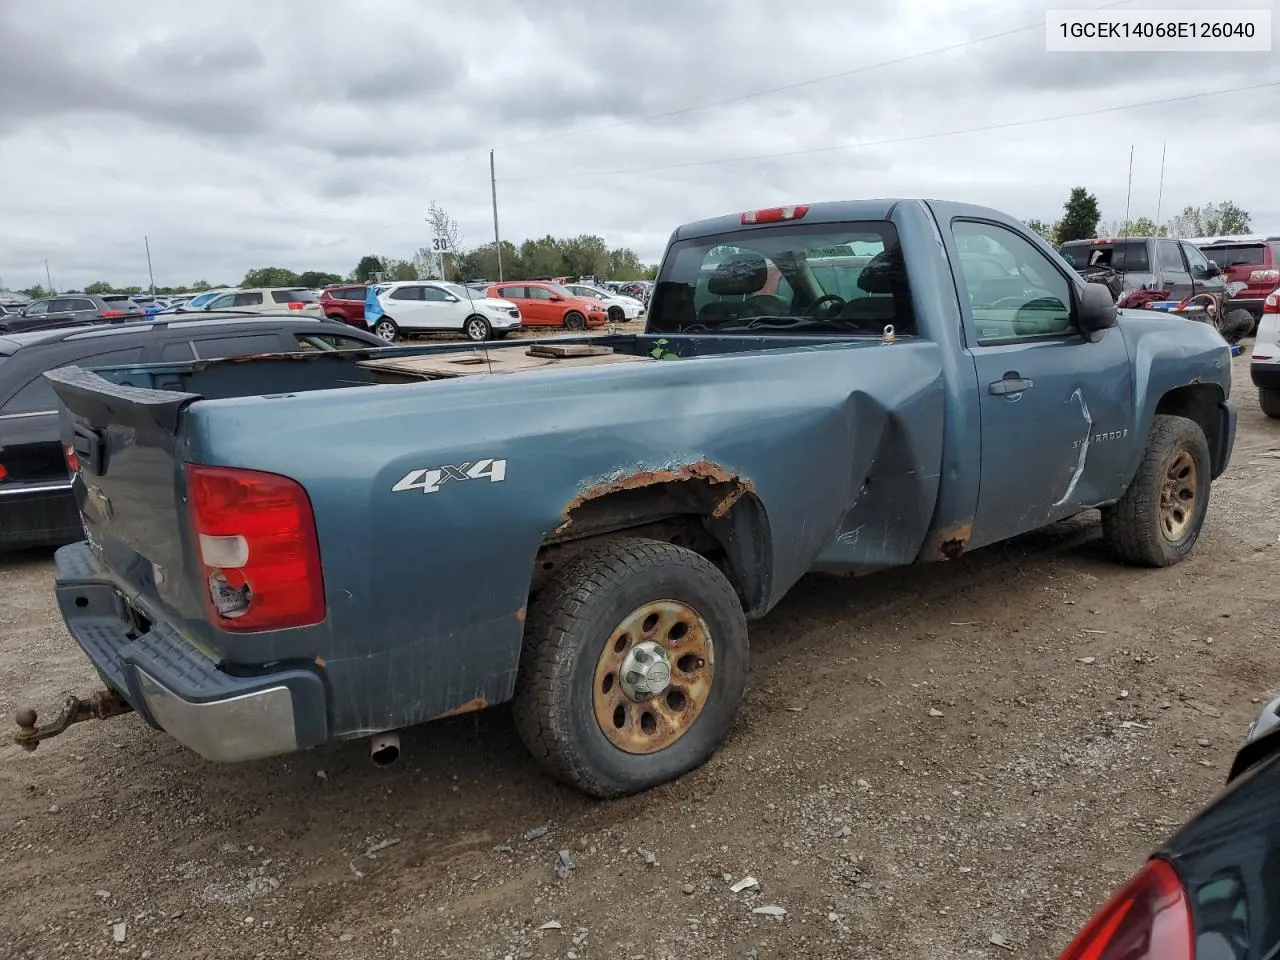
495, 302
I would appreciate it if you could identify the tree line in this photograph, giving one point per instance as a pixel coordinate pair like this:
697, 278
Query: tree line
1082, 217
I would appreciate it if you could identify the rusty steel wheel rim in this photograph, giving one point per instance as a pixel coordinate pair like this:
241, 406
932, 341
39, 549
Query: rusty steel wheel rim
1179, 492
637, 709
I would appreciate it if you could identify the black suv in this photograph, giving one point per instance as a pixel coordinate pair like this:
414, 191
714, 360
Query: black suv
36, 504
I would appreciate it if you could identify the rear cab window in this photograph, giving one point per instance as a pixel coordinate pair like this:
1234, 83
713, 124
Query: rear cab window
1122, 256
816, 278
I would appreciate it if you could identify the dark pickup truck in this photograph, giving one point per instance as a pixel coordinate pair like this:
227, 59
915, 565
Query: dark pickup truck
284, 552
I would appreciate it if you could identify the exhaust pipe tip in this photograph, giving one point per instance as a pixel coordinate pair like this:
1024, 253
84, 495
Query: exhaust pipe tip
384, 749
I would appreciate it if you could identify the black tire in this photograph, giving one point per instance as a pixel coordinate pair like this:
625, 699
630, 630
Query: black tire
1236, 325
617, 315
500, 334
573, 320
1269, 400
385, 329
477, 328
1134, 528
570, 623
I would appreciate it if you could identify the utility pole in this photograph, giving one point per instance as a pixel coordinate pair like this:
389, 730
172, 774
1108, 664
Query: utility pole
1160, 192
47, 278
493, 190
1124, 231
150, 274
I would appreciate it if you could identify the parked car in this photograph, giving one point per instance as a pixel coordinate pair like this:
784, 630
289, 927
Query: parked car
1145, 263
413, 307
197, 302
78, 308
36, 505
344, 302
1209, 891
550, 305
588, 534
1253, 261
276, 300
618, 308
1264, 364
150, 305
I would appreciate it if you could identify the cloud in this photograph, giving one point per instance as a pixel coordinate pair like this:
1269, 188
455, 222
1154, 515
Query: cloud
236, 134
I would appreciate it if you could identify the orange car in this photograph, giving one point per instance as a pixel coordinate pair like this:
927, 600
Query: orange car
550, 305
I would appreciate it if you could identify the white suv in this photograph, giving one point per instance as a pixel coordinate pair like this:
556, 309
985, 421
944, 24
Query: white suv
290, 300
618, 306
1264, 365
419, 306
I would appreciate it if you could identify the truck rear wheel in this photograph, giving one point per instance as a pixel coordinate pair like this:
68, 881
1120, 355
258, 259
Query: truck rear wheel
1269, 400
634, 665
1158, 520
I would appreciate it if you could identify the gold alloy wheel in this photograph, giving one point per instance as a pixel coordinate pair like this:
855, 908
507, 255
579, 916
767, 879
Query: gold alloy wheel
1178, 493
654, 676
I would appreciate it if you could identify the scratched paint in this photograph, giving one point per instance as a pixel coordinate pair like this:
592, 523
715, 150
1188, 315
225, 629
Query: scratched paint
1078, 395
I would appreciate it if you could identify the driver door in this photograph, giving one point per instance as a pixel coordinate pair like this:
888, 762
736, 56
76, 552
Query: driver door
1053, 404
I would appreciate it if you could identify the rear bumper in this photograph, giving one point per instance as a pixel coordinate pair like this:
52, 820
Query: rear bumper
38, 515
175, 686
1252, 304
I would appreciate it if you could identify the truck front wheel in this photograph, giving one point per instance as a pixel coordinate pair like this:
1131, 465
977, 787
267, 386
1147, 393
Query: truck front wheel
634, 664
1157, 522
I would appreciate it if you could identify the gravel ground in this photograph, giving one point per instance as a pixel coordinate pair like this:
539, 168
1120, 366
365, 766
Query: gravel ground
928, 760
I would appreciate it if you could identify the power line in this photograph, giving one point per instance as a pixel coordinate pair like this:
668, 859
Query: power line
889, 140
614, 125
740, 98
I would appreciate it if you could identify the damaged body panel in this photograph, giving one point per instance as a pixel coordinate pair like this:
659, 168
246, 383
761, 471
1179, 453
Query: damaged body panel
777, 444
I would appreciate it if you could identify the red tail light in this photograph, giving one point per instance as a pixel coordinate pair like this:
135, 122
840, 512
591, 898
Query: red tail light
775, 214
1264, 276
1148, 918
109, 314
4, 474
295, 305
69, 454
256, 539
1272, 303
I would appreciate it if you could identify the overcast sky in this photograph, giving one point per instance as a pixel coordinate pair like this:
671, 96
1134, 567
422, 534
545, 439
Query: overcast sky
243, 133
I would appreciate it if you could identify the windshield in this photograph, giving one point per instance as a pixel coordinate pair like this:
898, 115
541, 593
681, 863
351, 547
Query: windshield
1237, 255
563, 291
806, 278
459, 291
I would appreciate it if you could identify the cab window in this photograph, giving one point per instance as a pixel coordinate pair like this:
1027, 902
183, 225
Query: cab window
821, 278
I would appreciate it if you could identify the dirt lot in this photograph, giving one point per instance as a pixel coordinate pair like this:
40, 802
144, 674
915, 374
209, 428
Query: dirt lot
883, 829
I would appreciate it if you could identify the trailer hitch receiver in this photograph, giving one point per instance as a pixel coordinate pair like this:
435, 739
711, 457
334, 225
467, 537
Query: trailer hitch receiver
102, 705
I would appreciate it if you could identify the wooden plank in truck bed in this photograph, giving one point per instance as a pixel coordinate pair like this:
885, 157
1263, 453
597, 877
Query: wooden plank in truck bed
461, 363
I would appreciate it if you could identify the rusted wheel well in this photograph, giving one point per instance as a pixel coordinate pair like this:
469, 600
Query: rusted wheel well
1198, 402
716, 516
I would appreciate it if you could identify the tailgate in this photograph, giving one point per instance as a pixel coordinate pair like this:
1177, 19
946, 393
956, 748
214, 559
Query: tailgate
128, 482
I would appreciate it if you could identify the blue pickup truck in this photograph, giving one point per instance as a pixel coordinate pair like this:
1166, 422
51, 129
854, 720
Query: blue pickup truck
285, 551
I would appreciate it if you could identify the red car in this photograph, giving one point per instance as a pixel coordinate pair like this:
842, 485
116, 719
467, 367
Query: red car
550, 305
1253, 261
345, 302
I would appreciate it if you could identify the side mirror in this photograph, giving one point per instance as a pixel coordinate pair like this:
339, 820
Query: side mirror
450, 298
556, 297
1214, 270
1097, 309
